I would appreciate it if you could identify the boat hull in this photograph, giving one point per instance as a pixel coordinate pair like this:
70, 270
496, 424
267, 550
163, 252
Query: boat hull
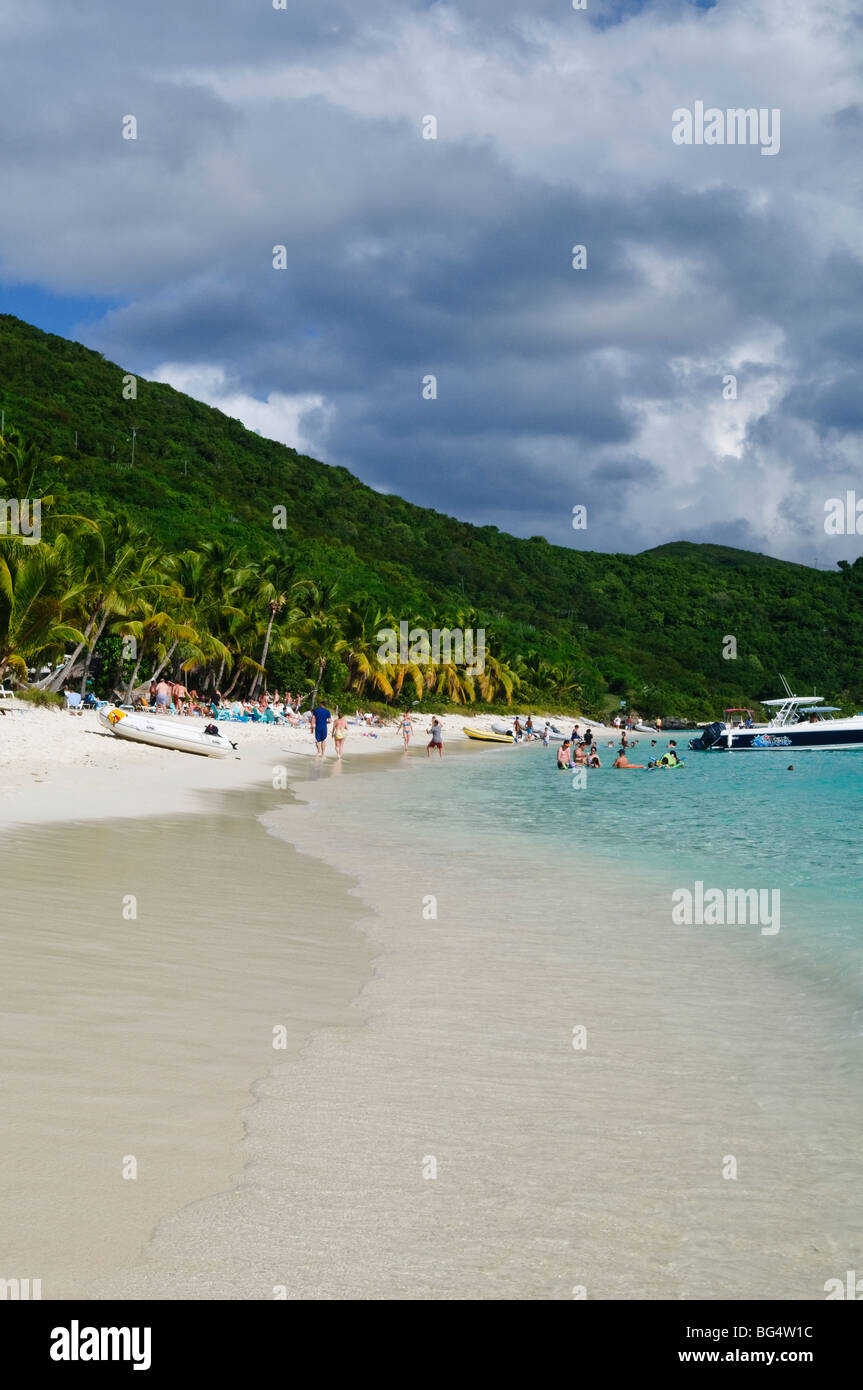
480, 736
829, 736
162, 732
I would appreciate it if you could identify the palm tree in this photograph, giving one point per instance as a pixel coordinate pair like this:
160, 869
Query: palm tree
24, 469
273, 591
204, 604
362, 646
33, 595
318, 640
158, 634
495, 678
112, 566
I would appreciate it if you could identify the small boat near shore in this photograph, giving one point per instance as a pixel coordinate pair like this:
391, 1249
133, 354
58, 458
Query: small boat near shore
164, 731
487, 736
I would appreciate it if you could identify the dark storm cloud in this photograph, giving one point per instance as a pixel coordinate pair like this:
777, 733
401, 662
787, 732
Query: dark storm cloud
409, 258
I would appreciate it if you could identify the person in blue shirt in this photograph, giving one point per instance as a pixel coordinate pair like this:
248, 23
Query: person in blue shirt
320, 718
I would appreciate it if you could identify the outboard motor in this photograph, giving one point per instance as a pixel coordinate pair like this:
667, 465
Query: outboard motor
709, 736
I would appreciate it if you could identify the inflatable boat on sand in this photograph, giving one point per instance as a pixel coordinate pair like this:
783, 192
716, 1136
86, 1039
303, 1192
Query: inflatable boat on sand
165, 731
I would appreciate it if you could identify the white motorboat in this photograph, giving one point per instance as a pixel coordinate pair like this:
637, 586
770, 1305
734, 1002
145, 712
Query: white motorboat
166, 731
800, 722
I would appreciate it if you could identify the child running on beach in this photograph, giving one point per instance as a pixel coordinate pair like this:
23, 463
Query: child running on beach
436, 740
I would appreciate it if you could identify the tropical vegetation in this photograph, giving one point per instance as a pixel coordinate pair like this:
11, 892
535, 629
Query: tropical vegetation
245, 565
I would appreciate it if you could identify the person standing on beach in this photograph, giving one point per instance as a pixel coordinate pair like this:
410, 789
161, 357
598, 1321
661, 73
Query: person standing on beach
436, 740
340, 733
163, 695
319, 719
406, 727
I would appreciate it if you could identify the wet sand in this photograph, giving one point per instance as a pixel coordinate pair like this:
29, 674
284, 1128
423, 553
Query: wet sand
140, 1037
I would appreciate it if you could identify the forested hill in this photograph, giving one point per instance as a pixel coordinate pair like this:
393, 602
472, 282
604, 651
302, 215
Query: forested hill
588, 626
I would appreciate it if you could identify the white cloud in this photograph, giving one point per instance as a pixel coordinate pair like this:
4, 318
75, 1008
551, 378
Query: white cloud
280, 416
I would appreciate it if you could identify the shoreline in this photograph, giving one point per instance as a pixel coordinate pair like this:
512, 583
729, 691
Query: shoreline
409, 1042
553, 1168
52, 749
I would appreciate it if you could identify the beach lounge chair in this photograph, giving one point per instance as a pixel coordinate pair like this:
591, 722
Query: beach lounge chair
74, 703
9, 703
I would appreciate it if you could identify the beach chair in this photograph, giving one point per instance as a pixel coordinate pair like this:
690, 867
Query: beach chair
8, 703
74, 703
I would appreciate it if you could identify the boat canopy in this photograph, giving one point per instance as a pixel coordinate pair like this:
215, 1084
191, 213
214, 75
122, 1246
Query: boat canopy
820, 709
794, 700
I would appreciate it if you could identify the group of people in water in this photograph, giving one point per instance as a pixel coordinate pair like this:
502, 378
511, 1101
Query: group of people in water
581, 751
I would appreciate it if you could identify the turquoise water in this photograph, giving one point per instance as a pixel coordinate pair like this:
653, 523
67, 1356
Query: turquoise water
729, 821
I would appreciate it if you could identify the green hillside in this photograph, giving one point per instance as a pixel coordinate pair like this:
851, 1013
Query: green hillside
576, 627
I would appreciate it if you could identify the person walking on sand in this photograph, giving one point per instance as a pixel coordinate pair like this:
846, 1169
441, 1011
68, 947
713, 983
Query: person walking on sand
406, 727
340, 733
319, 719
436, 740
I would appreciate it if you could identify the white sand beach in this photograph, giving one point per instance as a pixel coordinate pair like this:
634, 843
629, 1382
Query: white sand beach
56, 766
146, 1037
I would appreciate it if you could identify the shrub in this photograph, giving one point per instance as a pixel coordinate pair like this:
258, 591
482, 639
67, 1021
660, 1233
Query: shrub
42, 699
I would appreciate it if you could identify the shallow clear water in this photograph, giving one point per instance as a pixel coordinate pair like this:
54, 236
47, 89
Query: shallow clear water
731, 821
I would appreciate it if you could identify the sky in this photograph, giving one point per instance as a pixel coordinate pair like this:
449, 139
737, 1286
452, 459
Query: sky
695, 377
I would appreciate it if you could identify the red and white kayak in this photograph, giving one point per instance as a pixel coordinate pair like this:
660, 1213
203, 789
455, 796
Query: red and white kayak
165, 731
